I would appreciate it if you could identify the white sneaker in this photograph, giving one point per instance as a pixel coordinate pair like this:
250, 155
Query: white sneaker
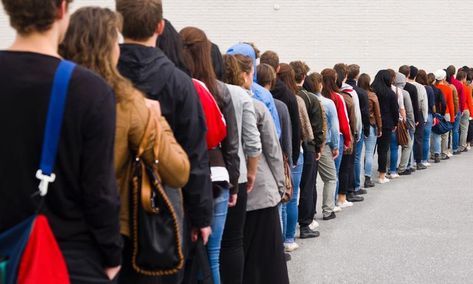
395, 175
314, 225
383, 181
449, 154
468, 147
337, 209
290, 247
345, 204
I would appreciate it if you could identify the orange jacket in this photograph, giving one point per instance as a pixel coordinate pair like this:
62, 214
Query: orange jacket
468, 99
447, 93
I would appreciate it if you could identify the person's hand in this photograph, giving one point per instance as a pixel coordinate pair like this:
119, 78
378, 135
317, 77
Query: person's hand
380, 134
203, 232
345, 148
232, 200
335, 153
250, 183
417, 123
395, 128
317, 156
154, 106
112, 272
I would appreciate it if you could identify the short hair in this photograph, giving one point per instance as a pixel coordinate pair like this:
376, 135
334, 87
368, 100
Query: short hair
422, 78
140, 17
431, 79
405, 70
413, 72
461, 75
353, 71
313, 83
271, 58
300, 70
266, 75
364, 82
342, 72
28, 16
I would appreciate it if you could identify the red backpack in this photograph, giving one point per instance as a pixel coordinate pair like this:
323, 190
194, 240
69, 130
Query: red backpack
216, 125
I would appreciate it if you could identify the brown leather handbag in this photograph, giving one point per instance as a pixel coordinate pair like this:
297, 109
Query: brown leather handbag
402, 134
288, 186
156, 215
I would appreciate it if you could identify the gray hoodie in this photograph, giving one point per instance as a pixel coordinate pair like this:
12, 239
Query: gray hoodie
400, 82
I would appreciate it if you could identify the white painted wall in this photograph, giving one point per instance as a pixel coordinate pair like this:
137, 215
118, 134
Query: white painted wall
373, 33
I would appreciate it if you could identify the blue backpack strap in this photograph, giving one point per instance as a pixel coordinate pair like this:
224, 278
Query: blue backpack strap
53, 124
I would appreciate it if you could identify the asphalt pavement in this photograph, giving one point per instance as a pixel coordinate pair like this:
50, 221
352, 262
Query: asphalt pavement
415, 229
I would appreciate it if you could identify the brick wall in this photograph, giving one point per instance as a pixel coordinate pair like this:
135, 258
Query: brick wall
373, 33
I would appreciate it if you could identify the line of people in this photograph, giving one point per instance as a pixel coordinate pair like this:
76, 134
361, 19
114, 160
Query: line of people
244, 140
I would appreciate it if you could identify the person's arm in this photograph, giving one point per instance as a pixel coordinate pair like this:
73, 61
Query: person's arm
230, 144
365, 111
334, 126
317, 120
296, 125
101, 202
415, 102
377, 115
343, 121
394, 108
286, 133
265, 96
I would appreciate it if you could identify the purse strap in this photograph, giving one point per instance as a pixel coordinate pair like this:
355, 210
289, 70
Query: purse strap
54, 119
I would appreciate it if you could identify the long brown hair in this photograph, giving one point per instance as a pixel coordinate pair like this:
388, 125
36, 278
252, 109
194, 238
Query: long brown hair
287, 75
90, 40
364, 82
329, 81
198, 58
231, 71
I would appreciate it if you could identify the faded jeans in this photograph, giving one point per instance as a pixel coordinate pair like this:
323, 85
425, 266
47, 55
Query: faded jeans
426, 144
215, 239
370, 143
464, 123
328, 174
290, 210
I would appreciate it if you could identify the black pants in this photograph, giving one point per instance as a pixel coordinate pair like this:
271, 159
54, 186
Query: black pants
85, 266
232, 257
418, 142
308, 190
264, 251
383, 147
347, 174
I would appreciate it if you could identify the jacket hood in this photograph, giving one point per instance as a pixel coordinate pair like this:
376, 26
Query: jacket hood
400, 80
244, 49
147, 67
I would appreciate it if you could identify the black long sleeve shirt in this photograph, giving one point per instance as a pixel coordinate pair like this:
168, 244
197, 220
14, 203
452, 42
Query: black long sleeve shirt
82, 205
364, 106
412, 90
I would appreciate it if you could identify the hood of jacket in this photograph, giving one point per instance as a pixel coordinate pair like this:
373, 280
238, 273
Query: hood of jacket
147, 67
247, 50
400, 80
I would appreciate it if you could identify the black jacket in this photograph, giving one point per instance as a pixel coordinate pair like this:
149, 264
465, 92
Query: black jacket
316, 117
440, 104
412, 90
364, 107
154, 74
387, 99
282, 93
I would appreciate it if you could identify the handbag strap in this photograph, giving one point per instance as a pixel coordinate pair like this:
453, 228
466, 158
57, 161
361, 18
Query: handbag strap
53, 125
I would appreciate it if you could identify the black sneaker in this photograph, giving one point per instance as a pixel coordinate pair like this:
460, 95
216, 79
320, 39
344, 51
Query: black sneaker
354, 198
465, 149
437, 158
368, 182
307, 233
287, 256
445, 157
404, 173
457, 153
330, 217
361, 191
420, 166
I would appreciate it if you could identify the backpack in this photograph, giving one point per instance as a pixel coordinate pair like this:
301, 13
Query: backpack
216, 125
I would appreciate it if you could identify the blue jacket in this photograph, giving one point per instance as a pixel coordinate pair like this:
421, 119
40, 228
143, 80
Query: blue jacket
259, 92
333, 131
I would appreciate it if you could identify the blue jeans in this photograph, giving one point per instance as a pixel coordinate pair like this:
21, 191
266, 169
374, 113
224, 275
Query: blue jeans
426, 144
338, 161
359, 150
215, 239
370, 143
456, 133
437, 143
290, 210
394, 147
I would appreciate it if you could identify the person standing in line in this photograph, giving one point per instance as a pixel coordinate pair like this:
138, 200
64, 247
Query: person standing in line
423, 80
451, 70
440, 107
224, 159
327, 169
259, 92
406, 151
394, 146
419, 119
155, 75
423, 111
232, 251
444, 87
353, 107
263, 245
330, 91
466, 114
389, 115
83, 204
376, 127
352, 77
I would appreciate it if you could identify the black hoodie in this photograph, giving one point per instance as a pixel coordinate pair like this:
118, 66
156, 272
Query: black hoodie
365, 112
154, 74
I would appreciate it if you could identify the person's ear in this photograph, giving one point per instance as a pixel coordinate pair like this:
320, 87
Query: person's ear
62, 10
160, 27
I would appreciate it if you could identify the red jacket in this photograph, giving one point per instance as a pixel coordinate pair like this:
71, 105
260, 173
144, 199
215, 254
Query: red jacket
461, 95
342, 118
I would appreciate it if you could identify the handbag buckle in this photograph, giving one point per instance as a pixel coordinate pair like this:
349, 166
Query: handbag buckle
45, 180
